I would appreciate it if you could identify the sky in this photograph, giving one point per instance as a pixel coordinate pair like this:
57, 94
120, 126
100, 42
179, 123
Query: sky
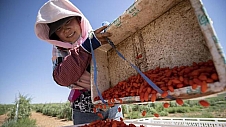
26, 66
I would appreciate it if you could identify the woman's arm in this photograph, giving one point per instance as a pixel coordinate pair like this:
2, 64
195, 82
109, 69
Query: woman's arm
68, 70
72, 67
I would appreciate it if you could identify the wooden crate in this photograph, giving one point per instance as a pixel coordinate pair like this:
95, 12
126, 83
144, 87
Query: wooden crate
167, 34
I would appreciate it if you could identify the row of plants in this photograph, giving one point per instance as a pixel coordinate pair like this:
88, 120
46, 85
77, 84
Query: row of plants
190, 108
4, 108
59, 110
25, 122
18, 114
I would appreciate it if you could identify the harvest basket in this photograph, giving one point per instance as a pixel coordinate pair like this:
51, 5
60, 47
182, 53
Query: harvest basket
160, 34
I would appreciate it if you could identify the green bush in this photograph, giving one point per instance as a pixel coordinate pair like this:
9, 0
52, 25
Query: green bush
65, 112
152, 110
178, 109
159, 107
194, 108
171, 110
134, 115
59, 110
4, 108
38, 107
26, 122
24, 108
183, 109
163, 113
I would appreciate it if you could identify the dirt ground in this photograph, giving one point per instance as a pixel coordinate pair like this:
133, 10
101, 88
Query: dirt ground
43, 121
48, 121
2, 119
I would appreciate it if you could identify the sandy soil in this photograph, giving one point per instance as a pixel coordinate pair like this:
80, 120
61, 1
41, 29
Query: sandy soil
48, 121
2, 119
43, 121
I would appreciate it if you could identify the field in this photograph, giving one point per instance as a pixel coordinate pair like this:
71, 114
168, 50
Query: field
59, 114
43, 120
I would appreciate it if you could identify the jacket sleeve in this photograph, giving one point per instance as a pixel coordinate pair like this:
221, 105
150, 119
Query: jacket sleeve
95, 44
69, 69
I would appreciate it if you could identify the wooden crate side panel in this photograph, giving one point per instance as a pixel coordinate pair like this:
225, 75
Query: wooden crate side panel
103, 81
175, 39
138, 15
212, 41
118, 68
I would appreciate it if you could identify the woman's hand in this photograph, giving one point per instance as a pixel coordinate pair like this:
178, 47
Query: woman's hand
102, 36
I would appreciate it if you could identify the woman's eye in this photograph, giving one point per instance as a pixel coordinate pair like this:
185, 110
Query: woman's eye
68, 22
58, 29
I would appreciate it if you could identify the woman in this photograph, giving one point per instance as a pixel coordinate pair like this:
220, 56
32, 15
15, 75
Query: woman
63, 25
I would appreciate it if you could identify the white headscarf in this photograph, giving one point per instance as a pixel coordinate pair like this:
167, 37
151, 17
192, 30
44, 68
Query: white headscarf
54, 10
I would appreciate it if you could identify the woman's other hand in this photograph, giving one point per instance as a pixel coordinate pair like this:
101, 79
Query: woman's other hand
102, 36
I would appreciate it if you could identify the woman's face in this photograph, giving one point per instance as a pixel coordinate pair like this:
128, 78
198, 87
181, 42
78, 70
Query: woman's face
70, 31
